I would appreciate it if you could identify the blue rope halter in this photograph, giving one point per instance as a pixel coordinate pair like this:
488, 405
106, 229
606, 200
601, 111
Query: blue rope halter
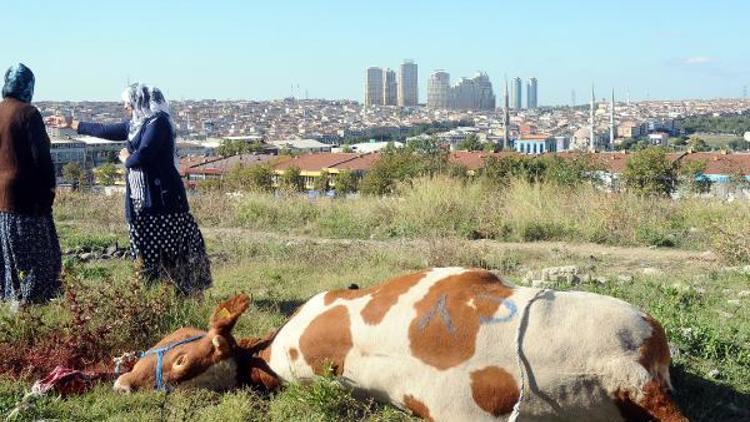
159, 384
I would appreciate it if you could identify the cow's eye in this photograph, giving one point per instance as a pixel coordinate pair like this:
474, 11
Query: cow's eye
181, 362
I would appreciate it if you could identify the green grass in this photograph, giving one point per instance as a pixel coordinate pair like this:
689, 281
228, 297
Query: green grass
283, 251
717, 141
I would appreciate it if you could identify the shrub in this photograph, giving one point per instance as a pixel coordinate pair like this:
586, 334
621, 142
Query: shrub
692, 177
345, 182
292, 180
731, 242
500, 171
649, 172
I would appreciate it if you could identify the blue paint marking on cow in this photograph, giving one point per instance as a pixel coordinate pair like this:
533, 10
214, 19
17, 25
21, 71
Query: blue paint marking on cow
509, 305
444, 315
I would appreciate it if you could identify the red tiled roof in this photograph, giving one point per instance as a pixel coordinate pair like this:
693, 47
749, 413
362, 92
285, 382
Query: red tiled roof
359, 163
475, 160
315, 162
539, 136
222, 165
718, 163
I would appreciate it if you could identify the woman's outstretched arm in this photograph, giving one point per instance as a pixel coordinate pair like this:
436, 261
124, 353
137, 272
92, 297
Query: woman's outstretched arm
113, 132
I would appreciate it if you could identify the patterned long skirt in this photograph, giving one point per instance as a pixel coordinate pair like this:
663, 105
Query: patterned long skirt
171, 248
31, 258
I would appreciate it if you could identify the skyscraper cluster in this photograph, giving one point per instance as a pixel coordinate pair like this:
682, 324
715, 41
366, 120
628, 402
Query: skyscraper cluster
382, 87
467, 94
516, 93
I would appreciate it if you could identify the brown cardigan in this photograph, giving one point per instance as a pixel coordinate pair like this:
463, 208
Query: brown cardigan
27, 175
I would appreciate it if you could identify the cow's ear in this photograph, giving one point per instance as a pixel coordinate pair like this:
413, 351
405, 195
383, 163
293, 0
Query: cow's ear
226, 314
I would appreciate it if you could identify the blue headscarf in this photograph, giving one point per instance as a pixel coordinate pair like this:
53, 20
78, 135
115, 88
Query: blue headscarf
19, 83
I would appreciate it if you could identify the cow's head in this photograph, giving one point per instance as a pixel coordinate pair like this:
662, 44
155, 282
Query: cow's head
191, 357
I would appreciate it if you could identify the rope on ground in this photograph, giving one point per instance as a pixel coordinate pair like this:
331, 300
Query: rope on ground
519, 351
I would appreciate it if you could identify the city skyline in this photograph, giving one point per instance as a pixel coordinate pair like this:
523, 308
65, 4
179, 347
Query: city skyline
85, 50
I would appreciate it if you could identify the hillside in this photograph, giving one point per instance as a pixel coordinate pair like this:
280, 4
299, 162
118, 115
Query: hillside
284, 250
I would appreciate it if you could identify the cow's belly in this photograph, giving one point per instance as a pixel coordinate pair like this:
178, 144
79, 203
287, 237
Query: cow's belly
580, 348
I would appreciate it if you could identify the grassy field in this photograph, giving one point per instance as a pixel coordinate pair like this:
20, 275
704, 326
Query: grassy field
283, 250
718, 141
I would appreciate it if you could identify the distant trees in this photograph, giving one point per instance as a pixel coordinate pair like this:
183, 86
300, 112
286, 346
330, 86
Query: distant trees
346, 182
470, 143
422, 157
292, 180
737, 124
322, 183
107, 174
552, 169
649, 172
738, 144
257, 178
632, 144
74, 174
697, 144
229, 148
692, 177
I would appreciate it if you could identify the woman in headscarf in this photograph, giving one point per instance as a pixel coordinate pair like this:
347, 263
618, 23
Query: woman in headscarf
30, 258
163, 233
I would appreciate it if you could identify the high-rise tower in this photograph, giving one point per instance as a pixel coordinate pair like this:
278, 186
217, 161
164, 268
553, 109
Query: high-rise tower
390, 87
612, 128
515, 93
374, 87
439, 90
592, 128
506, 120
531, 93
408, 93
473, 93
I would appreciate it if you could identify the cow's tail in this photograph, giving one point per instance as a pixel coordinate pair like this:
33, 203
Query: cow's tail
653, 401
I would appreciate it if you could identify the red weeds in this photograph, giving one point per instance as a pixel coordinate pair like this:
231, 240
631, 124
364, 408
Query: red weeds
95, 325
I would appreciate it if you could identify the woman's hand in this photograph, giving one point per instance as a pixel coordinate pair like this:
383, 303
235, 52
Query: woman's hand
124, 154
74, 125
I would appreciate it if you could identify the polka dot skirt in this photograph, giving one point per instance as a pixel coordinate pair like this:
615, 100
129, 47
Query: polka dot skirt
171, 247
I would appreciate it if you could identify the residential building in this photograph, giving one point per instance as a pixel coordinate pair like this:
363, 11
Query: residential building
473, 93
408, 92
515, 94
301, 145
64, 151
531, 93
629, 130
374, 87
535, 144
390, 88
439, 90
658, 138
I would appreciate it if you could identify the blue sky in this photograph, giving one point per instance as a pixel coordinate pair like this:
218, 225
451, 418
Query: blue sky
259, 50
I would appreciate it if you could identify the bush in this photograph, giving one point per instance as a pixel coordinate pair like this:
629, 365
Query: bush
257, 178
401, 165
107, 174
731, 242
692, 177
292, 181
501, 171
649, 172
345, 182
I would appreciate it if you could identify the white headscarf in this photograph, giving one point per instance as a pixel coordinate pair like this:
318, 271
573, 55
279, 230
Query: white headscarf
146, 101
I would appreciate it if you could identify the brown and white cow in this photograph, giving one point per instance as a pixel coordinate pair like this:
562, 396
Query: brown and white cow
442, 344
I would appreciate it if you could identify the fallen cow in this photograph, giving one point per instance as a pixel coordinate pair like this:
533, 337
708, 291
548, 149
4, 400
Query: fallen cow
448, 344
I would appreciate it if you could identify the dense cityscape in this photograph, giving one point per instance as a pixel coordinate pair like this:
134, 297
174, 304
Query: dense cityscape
391, 113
